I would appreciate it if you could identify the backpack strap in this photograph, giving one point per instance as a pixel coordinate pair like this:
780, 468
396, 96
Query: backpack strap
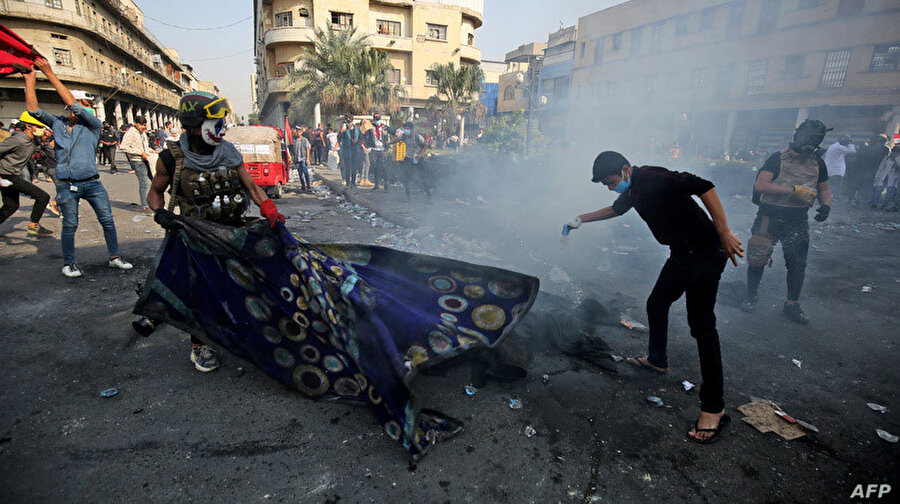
175, 149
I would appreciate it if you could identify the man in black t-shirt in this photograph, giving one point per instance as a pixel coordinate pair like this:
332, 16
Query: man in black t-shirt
700, 247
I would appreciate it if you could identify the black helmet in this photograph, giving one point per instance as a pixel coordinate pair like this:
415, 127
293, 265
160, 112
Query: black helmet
198, 106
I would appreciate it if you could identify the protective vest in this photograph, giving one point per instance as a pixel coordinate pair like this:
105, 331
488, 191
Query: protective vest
795, 170
215, 195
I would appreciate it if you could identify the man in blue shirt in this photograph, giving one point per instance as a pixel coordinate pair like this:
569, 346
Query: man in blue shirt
76, 139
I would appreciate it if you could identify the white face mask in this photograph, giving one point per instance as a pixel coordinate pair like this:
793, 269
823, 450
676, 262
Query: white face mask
213, 131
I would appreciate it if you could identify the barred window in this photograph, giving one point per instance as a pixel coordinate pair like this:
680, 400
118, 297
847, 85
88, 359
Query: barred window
636, 36
886, 58
835, 71
394, 76
284, 19
389, 28
341, 20
63, 57
437, 32
756, 77
56, 4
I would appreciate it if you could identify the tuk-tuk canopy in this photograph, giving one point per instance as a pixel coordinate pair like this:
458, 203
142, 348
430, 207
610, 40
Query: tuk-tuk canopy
258, 144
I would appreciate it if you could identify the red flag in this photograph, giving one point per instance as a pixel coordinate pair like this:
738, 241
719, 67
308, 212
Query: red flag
288, 132
16, 55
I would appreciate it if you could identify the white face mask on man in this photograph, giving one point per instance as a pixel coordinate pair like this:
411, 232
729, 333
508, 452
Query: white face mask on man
213, 131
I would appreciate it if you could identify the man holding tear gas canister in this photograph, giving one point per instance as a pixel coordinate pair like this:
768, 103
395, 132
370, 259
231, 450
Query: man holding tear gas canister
700, 247
786, 187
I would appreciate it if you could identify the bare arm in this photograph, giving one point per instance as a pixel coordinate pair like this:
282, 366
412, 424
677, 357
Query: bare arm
256, 194
156, 198
44, 66
598, 215
764, 185
730, 242
31, 102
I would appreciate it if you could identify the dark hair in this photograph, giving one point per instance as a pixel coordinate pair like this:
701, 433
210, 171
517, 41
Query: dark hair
608, 163
140, 120
1, 124
168, 123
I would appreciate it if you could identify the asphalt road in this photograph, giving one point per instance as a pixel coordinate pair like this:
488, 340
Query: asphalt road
235, 435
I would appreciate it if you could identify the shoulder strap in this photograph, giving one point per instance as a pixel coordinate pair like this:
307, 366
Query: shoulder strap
175, 149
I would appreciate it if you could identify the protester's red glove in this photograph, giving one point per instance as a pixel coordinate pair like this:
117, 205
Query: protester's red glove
270, 212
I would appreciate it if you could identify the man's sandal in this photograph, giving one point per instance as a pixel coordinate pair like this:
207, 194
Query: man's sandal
723, 422
643, 364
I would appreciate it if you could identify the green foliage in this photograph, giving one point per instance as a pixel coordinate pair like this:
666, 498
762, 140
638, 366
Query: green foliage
505, 135
456, 90
253, 118
345, 75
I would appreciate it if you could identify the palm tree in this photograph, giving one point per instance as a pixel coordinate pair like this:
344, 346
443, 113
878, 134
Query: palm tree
344, 74
456, 90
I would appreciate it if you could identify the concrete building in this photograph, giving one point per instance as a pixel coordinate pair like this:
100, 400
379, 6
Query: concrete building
556, 72
490, 89
735, 74
100, 47
416, 34
524, 60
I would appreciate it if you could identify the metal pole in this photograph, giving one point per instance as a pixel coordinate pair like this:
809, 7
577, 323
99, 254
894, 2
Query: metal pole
528, 124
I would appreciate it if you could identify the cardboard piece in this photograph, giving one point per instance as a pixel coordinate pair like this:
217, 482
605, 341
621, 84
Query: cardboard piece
761, 415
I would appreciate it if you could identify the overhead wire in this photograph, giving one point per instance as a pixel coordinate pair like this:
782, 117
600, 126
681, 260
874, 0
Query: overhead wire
217, 57
197, 29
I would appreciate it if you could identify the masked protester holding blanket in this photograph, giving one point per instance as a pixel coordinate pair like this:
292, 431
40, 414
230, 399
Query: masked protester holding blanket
786, 187
700, 247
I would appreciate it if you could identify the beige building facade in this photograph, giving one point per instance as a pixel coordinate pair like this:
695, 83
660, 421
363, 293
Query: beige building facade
525, 60
102, 48
736, 74
416, 34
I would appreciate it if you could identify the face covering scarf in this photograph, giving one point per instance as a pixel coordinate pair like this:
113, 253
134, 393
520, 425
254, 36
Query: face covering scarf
349, 322
224, 154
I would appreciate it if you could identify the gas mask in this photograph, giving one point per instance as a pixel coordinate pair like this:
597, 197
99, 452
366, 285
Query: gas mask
808, 136
212, 131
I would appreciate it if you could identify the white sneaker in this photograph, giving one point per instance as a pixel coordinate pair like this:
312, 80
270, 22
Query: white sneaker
71, 271
120, 264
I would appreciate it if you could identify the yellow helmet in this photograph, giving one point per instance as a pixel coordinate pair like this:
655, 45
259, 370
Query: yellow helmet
29, 119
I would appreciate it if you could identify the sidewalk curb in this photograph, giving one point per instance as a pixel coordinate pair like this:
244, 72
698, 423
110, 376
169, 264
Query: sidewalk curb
337, 188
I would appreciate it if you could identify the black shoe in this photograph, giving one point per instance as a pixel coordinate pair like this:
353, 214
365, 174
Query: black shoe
143, 326
795, 313
749, 305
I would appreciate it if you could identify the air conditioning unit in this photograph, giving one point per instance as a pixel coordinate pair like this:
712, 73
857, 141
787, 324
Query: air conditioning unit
156, 59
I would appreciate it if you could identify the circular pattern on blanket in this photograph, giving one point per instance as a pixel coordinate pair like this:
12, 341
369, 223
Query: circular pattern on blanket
287, 294
301, 303
295, 280
451, 303
315, 288
474, 334
449, 317
271, 335
517, 310
416, 355
423, 264
337, 270
310, 354
335, 341
239, 274
392, 429
283, 357
310, 380
265, 247
317, 255
361, 380
301, 319
320, 327
439, 342
473, 291
300, 263
466, 276
374, 396
346, 387
489, 317
506, 289
332, 364
258, 308
441, 283
292, 329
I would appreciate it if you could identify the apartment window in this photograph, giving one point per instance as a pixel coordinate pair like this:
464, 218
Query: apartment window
808, 4
735, 19
756, 77
63, 57
768, 17
58, 36
284, 19
389, 28
598, 50
617, 41
56, 4
723, 81
581, 51
636, 36
430, 80
681, 25
470, 39
509, 93
342, 20
437, 32
835, 71
698, 79
303, 12
707, 19
886, 58
657, 35
394, 76
78, 8
850, 7
793, 66
283, 69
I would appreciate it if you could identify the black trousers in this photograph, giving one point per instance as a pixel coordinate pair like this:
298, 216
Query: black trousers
696, 275
109, 152
421, 171
377, 168
11, 198
794, 237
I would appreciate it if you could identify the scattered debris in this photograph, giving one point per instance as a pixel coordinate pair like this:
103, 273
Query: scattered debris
797, 363
887, 436
515, 403
617, 358
687, 385
766, 416
877, 407
471, 390
632, 324
646, 477
545, 378
656, 401
109, 392
867, 288
530, 432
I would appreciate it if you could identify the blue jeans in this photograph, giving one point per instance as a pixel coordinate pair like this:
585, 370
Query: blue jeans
95, 194
142, 172
303, 173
